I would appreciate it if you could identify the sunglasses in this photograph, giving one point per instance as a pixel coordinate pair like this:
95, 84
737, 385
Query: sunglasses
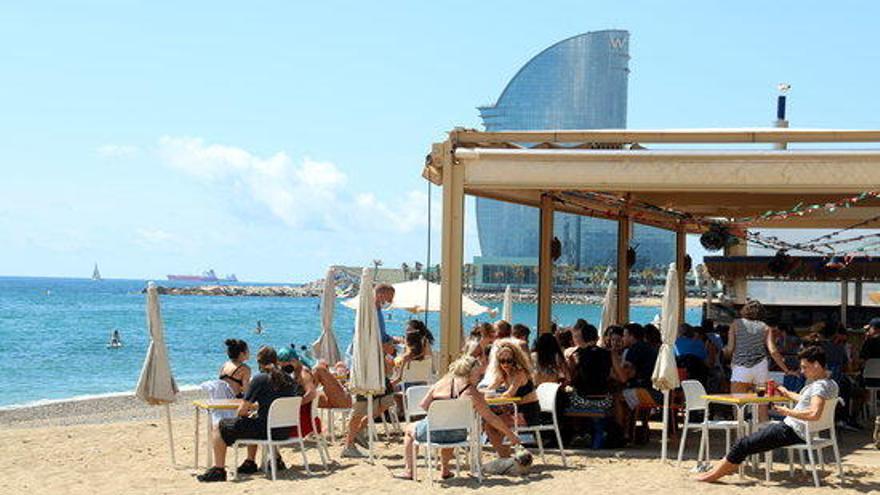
505, 361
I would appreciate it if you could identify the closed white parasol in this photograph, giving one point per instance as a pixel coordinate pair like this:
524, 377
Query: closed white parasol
665, 376
156, 386
367, 362
326, 347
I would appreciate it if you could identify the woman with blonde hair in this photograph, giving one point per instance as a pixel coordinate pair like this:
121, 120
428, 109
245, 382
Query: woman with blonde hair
513, 374
460, 382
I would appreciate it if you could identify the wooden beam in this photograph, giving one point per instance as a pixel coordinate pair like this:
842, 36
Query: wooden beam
624, 231
545, 265
452, 257
792, 172
466, 137
680, 253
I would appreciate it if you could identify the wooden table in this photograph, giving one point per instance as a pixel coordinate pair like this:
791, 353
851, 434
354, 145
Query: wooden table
740, 402
500, 401
207, 406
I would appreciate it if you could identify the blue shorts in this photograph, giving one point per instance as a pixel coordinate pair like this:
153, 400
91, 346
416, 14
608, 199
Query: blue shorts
442, 436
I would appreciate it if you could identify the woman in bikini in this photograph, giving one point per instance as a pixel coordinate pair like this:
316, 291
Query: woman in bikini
513, 375
460, 382
235, 372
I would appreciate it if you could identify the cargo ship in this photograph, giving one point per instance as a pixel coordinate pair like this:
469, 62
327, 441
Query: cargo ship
208, 276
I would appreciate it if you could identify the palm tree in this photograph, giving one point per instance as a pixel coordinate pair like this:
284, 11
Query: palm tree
648, 276
468, 276
519, 272
405, 269
418, 267
376, 265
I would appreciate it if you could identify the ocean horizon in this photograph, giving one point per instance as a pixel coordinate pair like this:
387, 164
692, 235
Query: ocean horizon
54, 333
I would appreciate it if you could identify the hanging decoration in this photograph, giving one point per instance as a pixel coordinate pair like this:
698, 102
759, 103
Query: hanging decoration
801, 209
688, 263
631, 256
835, 264
718, 237
781, 264
721, 233
555, 249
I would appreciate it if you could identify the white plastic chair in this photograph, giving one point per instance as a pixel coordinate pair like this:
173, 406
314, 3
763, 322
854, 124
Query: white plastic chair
318, 436
330, 417
283, 413
815, 443
693, 401
411, 400
547, 401
444, 415
872, 371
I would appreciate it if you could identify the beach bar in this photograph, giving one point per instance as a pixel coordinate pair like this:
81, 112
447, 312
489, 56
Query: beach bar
687, 181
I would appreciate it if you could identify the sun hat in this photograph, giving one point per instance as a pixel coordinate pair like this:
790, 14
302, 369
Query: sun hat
287, 354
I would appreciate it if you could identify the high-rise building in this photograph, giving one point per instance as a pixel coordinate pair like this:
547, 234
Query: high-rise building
578, 83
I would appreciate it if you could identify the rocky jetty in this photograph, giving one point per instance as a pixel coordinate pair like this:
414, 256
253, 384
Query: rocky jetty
314, 290
242, 291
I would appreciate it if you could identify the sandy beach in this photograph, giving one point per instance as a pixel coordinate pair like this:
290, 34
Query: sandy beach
117, 445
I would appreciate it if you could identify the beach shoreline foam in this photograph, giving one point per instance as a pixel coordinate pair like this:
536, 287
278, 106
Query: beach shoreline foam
95, 409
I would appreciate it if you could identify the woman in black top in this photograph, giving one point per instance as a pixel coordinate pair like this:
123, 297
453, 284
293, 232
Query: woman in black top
270, 384
235, 372
512, 374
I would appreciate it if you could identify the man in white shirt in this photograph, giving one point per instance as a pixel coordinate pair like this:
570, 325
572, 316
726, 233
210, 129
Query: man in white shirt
810, 403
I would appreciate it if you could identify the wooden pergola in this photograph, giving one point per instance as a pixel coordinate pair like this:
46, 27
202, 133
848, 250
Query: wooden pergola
622, 175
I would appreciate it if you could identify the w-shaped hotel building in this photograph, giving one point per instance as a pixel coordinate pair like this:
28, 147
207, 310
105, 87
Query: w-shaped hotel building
578, 83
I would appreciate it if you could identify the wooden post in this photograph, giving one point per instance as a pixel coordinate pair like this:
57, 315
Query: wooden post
844, 301
859, 293
680, 253
624, 230
452, 254
737, 289
545, 265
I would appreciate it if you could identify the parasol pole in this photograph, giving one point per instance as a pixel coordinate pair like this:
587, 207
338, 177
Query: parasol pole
170, 433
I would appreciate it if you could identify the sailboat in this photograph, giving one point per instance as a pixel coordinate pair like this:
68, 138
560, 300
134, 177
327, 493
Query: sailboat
96, 275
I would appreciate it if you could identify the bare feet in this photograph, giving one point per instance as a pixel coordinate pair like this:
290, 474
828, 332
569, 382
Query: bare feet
403, 476
724, 468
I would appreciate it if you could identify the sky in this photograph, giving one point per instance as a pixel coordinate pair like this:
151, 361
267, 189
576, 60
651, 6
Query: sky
272, 139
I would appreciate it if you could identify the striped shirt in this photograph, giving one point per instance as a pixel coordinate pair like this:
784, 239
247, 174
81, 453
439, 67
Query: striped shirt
751, 342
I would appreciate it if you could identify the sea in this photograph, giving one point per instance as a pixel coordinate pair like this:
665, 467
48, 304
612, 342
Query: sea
54, 333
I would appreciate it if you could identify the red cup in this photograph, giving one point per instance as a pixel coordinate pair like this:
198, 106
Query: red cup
771, 388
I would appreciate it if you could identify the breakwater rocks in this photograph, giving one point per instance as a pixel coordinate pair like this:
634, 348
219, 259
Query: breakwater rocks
314, 290
532, 297
242, 291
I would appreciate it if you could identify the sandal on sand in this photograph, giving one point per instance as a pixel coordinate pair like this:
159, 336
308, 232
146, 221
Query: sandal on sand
402, 476
447, 476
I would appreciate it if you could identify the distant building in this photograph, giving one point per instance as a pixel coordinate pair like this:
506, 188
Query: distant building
578, 83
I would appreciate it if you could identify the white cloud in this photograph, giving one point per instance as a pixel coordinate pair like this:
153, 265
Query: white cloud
152, 236
116, 150
310, 194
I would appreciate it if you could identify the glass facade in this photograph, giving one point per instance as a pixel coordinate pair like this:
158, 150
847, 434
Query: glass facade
578, 83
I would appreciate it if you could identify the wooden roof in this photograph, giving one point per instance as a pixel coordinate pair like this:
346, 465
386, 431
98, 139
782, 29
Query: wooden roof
612, 173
